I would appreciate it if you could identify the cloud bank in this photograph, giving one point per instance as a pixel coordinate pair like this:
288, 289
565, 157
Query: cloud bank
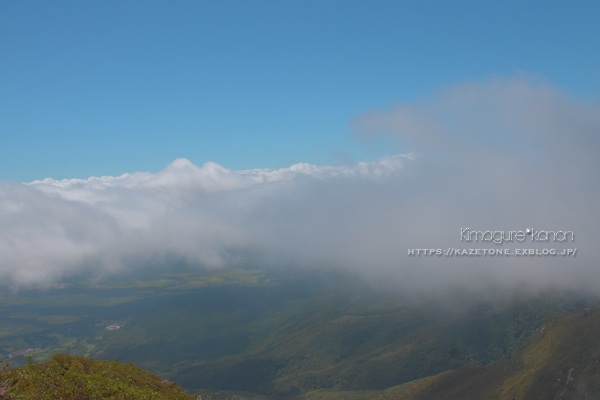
500, 154
209, 216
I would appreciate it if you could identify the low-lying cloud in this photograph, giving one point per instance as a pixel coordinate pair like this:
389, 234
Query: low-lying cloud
502, 154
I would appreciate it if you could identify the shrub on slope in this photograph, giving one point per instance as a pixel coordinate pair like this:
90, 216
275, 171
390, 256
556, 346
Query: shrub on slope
67, 377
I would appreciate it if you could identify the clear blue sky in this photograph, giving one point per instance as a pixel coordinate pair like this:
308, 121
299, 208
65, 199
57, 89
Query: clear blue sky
108, 87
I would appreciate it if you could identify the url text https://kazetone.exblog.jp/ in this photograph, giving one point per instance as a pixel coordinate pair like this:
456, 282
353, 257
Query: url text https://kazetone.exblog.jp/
456, 252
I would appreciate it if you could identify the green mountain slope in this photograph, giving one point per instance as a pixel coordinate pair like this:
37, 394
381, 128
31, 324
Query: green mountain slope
562, 361
338, 343
68, 377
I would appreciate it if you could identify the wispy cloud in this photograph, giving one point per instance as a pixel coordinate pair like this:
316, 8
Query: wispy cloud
501, 154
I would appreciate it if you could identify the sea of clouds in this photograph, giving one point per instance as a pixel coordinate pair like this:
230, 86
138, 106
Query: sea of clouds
498, 154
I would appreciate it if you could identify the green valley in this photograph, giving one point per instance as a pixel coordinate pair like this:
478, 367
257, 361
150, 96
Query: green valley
268, 334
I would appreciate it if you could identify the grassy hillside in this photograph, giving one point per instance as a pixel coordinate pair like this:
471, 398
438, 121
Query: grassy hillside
337, 342
562, 361
68, 377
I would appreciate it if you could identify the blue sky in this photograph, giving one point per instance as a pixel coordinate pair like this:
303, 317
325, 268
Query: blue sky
104, 88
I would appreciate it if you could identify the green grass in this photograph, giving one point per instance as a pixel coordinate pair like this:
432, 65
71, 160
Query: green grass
13, 328
62, 340
81, 300
58, 319
68, 377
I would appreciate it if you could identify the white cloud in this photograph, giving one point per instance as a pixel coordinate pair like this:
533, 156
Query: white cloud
202, 214
503, 154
